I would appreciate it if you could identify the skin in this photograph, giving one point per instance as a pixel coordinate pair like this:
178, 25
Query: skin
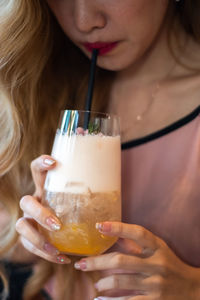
134, 24
143, 263
35, 213
156, 272
141, 29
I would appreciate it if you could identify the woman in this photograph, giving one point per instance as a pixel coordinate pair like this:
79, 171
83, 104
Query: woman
149, 53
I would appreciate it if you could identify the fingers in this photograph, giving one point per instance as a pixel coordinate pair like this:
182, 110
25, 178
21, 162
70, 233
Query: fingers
126, 298
115, 260
138, 234
34, 242
122, 282
131, 284
39, 213
39, 168
60, 259
25, 229
142, 297
109, 298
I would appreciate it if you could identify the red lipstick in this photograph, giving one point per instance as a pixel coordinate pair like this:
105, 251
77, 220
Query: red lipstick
103, 48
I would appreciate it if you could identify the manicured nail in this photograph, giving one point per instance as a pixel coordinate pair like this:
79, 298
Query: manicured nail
53, 223
63, 259
81, 265
99, 298
103, 227
50, 249
48, 161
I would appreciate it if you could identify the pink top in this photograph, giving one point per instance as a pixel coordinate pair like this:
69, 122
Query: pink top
161, 185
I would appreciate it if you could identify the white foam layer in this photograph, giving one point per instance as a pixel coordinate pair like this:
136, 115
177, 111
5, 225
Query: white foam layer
89, 163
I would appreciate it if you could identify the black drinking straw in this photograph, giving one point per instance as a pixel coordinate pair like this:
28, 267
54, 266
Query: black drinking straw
88, 103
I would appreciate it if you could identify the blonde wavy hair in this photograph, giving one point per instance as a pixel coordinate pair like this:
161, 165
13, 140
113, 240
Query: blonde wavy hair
41, 73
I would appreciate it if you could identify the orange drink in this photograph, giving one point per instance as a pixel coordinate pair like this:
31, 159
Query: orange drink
85, 186
78, 234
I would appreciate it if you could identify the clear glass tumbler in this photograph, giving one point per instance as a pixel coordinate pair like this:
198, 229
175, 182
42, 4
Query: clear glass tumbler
85, 186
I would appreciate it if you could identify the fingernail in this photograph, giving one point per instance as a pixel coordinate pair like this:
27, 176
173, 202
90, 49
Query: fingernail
48, 161
50, 249
63, 259
99, 298
53, 223
81, 265
103, 227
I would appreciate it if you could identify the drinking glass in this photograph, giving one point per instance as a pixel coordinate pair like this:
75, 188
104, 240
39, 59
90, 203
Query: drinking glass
85, 186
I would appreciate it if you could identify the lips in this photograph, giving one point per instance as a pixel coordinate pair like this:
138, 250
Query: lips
102, 48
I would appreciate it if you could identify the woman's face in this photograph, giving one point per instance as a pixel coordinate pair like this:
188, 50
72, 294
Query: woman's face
122, 30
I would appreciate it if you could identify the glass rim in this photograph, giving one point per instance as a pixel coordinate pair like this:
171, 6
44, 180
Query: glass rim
104, 115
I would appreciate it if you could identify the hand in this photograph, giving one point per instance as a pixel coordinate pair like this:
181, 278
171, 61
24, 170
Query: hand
35, 213
145, 269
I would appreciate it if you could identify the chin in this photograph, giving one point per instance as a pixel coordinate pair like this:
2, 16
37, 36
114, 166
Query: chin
111, 62
113, 66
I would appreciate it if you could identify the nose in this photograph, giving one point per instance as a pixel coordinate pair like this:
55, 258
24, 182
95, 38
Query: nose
88, 15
